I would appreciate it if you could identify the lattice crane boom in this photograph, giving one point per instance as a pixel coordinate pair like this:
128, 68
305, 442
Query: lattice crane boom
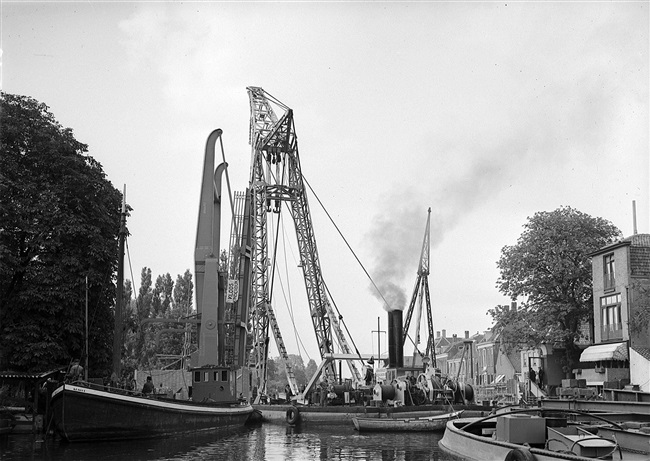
276, 177
421, 294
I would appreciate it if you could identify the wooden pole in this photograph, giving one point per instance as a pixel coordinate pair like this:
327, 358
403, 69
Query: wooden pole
86, 367
117, 333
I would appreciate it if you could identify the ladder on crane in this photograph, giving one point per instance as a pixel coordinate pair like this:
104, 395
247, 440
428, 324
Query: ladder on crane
279, 342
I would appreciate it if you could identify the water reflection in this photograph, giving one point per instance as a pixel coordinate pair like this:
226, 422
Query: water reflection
262, 442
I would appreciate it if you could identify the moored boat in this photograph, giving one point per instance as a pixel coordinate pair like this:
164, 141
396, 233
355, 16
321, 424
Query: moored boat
293, 414
528, 437
398, 396
86, 413
423, 424
633, 437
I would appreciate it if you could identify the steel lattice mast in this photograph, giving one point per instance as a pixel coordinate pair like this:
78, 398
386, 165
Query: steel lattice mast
276, 176
420, 293
263, 189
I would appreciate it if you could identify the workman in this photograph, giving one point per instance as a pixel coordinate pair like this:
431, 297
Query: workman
76, 371
148, 387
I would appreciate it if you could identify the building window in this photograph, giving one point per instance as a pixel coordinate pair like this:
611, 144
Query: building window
608, 271
610, 317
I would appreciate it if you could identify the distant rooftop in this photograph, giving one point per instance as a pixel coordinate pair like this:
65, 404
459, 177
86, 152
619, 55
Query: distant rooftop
638, 240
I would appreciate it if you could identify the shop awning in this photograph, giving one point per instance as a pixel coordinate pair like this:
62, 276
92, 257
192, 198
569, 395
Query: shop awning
614, 351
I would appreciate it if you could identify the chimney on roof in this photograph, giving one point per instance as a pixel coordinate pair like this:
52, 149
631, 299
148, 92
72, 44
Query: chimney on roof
634, 215
513, 306
444, 333
466, 334
437, 334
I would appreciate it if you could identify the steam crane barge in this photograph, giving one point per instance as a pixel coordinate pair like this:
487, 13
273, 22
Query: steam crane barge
276, 178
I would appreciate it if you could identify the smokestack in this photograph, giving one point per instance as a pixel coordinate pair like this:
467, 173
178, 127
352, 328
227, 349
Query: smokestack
395, 340
634, 215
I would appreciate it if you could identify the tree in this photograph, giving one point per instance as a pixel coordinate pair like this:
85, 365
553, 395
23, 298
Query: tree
162, 300
183, 292
168, 342
274, 376
550, 268
144, 347
59, 219
162, 296
298, 367
310, 369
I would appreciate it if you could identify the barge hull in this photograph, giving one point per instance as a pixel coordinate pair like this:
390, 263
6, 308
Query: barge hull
85, 414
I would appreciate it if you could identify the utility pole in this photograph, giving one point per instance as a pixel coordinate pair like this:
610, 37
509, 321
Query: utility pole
379, 331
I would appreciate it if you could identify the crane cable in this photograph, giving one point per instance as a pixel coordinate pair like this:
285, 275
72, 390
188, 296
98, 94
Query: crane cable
276, 234
355, 256
346, 242
288, 300
360, 263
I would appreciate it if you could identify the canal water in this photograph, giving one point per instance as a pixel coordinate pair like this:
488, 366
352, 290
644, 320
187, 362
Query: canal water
250, 443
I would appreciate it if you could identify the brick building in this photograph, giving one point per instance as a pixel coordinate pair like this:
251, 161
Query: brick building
621, 350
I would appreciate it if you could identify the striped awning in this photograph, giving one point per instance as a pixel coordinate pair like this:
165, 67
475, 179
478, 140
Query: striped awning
613, 351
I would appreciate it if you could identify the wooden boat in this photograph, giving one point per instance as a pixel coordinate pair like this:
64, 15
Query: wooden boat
524, 437
423, 424
83, 411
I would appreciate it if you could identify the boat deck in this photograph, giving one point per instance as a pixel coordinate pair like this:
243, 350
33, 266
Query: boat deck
481, 442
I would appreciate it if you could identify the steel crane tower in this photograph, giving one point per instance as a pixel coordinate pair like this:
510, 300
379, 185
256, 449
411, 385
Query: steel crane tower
276, 177
420, 293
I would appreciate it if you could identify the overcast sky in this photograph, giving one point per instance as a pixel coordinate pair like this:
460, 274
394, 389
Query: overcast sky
485, 112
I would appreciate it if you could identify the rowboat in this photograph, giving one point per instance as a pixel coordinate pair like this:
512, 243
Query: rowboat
423, 424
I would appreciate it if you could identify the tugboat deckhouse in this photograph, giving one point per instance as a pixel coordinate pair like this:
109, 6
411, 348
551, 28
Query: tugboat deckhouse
600, 352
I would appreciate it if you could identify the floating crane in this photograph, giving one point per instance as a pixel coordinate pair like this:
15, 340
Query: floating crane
420, 294
276, 177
